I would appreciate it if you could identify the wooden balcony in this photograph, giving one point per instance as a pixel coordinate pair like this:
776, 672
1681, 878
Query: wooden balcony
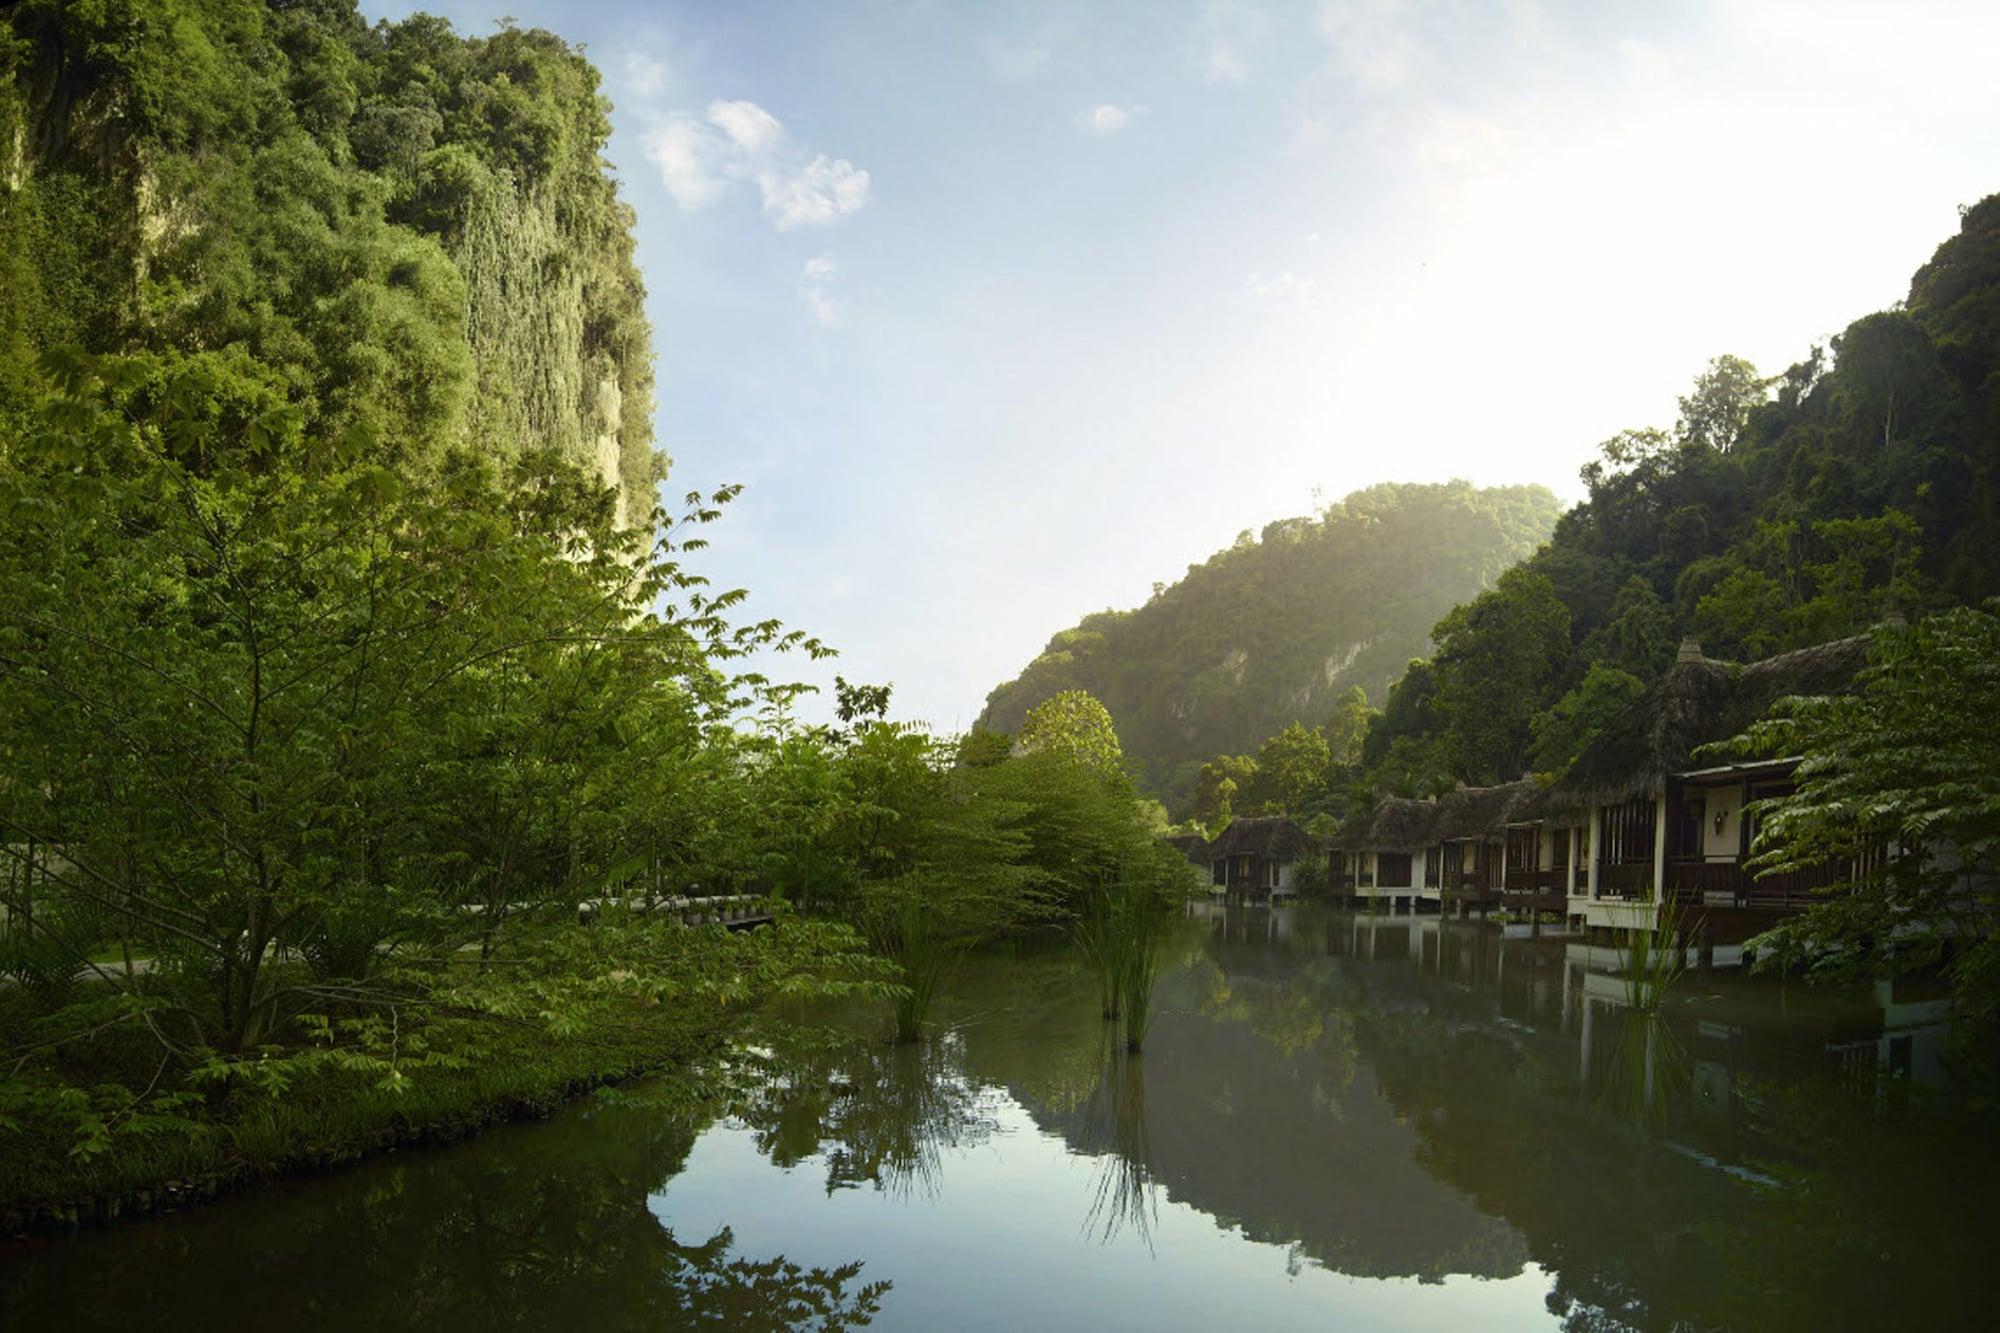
1726, 878
1520, 879
1466, 886
1625, 879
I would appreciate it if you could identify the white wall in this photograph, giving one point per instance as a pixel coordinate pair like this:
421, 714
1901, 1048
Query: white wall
1727, 797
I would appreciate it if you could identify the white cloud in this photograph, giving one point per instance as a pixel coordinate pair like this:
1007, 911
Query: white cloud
823, 191
645, 76
1228, 38
1107, 118
1285, 288
816, 288
686, 153
1371, 43
750, 127
738, 140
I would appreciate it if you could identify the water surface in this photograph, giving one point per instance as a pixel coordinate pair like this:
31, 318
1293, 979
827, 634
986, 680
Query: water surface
1339, 1121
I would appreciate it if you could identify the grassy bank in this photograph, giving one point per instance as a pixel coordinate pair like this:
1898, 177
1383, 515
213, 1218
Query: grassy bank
328, 1119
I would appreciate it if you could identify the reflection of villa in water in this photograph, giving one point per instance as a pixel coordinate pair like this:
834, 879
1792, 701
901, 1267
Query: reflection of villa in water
1577, 989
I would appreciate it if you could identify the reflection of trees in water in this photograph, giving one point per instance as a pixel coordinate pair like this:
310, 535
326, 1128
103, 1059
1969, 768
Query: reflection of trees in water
1125, 1190
721, 1292
1306, 1003
1844, 1217
880, 1114
538, 1226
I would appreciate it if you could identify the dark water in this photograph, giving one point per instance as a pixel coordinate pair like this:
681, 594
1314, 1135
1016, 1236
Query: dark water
1339, 1122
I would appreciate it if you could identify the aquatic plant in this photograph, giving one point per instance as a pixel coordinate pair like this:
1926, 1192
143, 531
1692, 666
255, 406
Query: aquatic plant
1655, 959
1648, 1070
1120, 932
1125, 1187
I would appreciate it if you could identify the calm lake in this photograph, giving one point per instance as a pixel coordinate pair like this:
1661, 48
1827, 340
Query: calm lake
1340, 1121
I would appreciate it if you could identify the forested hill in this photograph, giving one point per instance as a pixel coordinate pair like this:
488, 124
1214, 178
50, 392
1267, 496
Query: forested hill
410, 234
1776, 513
1277, 627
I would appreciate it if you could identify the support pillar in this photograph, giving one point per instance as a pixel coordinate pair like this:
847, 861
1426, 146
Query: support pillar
1659, 846
1596, 850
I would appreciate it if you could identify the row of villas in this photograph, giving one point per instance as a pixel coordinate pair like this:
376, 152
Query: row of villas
1638, 819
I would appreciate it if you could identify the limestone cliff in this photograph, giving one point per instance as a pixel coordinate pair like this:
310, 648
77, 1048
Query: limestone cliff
415, 232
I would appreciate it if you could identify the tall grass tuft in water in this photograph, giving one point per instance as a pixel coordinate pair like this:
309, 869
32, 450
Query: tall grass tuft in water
1121, 931
922, 958
1100, 939
1648, 1068
1655, 960
1142, 969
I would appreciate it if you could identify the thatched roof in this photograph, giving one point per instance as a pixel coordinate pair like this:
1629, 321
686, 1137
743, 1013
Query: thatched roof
1275, 836
1191, 845
1696, 702
1353, 833
1479, 812
1401, 825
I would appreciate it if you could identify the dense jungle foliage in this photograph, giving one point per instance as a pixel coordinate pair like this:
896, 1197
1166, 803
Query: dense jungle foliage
1281, 625
1778, 512
360, 727
414, 232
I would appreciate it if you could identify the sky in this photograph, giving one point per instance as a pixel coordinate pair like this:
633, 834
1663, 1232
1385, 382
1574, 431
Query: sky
1003, 312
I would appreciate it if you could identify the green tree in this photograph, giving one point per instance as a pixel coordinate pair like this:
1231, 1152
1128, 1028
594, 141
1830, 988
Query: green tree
1221, 781
1498, 657
1561, 732
1347, 726
1869, 561
1292, 768
1899, 788
1074, 725
1638, 636
1715, 411
1744, 617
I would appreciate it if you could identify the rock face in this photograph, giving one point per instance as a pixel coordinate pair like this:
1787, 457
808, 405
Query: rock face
1274, 630
414, 232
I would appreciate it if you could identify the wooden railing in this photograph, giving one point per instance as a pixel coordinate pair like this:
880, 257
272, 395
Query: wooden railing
1520, 879
1693, 880
1625, 879
1708, 880
1467, 886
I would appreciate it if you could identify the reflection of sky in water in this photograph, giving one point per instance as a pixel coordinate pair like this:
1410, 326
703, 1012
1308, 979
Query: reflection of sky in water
1001, 1245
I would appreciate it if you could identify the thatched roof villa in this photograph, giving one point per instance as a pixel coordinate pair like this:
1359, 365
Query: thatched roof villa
1641, 814
1256, 856
1664, 820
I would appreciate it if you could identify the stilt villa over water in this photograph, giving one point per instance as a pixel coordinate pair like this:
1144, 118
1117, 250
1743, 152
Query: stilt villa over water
1255, 859
1669, 825
1640, 818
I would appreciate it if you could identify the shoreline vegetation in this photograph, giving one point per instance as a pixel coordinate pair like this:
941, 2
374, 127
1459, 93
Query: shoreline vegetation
338, 1124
